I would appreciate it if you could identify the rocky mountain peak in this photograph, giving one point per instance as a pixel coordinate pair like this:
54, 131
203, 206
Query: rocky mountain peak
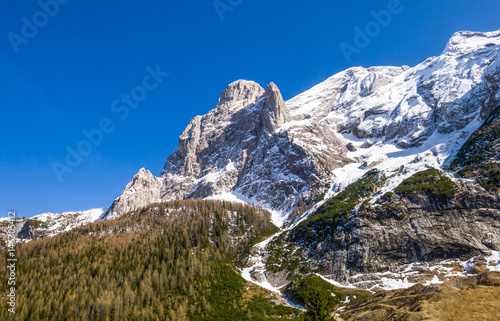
396, 119
239, 94
464, 42
275, 112
143, 171
146, 190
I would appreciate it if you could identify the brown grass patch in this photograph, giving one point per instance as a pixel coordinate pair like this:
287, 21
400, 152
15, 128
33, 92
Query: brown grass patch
474, 303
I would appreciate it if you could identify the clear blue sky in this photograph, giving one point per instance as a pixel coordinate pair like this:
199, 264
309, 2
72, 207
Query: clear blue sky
64, 79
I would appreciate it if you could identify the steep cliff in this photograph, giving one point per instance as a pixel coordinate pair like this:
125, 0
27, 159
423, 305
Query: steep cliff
255, 147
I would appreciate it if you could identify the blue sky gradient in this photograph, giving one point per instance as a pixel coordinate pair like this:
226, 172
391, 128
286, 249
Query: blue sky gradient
64, 79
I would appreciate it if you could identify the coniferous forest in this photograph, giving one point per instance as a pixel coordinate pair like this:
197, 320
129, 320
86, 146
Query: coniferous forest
169, 261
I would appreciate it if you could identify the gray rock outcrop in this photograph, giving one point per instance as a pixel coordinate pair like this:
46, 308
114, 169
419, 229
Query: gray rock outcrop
256, 147
412, 228
25, 232
240, 148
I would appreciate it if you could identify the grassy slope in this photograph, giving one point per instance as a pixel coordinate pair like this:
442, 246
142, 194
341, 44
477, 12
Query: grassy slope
474, 303
457, 299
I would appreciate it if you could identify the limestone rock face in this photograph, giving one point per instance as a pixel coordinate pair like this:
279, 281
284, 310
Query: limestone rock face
142, 190
275, 112
413, 228
256, 147
240, 148
397, 121
25, 232
239, 94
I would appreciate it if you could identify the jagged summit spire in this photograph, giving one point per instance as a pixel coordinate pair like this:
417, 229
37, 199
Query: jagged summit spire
275, 112
256, 146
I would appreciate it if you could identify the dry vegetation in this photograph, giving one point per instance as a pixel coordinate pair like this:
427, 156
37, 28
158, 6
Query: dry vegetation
474, 303
467, 299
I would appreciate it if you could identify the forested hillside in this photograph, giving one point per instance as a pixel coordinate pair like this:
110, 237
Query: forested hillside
170, 261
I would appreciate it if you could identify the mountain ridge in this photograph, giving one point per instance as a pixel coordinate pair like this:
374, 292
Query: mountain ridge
382, 184
330, 135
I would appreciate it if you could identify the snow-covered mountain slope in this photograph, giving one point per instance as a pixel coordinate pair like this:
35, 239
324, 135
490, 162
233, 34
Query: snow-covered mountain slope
255, 147
413, 117
236, 149
56, 223
50, 224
